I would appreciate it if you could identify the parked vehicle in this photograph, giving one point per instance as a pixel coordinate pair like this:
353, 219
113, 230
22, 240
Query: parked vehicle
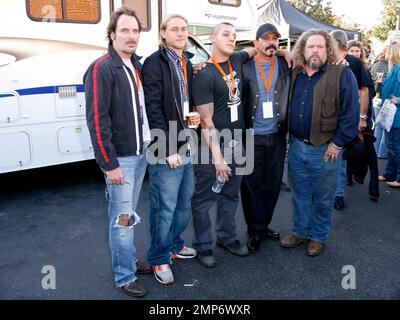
45, 48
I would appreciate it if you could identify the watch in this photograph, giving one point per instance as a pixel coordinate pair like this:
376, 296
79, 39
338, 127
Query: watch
363, 116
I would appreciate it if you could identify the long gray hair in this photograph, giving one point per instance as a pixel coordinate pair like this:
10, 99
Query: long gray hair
299, 48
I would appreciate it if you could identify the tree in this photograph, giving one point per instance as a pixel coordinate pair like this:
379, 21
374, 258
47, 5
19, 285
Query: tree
388, 19
316, 8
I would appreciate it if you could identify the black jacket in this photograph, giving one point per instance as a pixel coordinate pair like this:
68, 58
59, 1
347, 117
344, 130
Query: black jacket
162, 96
251, 93
361, 156
110, 116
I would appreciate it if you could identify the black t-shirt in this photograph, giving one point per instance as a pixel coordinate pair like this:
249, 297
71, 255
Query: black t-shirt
359, 70
209, 86
363, 80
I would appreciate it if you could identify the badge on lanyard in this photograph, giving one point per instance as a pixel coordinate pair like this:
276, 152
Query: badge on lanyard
234, 112
185, 79
185, 108
234, 106
268, 111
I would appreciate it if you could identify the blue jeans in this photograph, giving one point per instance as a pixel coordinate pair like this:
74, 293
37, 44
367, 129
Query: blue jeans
313, 183
392, 171
342, 178
171, 192
123, 199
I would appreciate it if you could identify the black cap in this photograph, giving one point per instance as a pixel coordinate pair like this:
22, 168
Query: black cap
266, 28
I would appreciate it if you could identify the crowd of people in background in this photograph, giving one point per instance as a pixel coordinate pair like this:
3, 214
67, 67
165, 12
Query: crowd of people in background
319, 101
383, 71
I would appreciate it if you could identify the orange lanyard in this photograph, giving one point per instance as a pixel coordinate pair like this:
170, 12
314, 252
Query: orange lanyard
137, 80
184, 62
270, 76
224, 74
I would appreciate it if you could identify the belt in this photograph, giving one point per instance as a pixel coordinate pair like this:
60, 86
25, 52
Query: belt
308, 142
305, 141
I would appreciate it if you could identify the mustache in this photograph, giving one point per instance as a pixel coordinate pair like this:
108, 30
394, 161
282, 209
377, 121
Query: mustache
271, 46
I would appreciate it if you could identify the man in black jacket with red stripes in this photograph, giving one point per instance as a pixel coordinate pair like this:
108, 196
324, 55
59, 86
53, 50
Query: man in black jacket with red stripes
117, 122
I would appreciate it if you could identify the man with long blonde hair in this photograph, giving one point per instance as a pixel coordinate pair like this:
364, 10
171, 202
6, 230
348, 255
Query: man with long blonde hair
323, 117
167, 81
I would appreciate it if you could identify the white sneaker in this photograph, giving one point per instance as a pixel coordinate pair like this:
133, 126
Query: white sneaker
185, 253
163, 273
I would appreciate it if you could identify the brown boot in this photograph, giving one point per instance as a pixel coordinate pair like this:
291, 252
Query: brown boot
134, 289
314, 248
291, 241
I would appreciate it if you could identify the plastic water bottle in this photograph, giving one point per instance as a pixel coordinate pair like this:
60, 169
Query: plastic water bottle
218, 184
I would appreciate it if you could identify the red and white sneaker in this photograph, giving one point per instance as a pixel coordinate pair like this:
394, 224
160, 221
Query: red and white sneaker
185, 253
163, 273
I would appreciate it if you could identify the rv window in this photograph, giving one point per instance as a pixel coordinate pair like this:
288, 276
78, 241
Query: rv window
233, 3
77, 11
200, 55
83, 11
142, 9
44, 10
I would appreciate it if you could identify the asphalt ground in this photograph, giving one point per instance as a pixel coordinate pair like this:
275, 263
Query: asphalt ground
57, 216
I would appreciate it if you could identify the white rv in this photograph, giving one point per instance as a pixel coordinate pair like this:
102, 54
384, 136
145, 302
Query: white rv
45, 48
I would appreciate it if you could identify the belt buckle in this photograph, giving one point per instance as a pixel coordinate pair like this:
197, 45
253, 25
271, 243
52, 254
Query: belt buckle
308, 142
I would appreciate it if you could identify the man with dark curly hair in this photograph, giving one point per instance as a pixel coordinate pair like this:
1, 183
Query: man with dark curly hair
323, 117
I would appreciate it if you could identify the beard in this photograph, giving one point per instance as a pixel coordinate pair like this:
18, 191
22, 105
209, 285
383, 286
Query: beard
271, 50
130, 47
315, 62
129, 50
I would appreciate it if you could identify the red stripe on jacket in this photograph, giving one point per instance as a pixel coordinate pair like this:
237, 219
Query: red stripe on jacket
96, 110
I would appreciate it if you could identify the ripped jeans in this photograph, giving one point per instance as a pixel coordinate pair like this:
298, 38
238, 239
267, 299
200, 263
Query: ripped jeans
122, 203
